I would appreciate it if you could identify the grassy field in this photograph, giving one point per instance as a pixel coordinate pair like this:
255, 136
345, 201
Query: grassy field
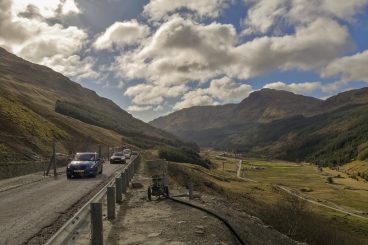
258, 190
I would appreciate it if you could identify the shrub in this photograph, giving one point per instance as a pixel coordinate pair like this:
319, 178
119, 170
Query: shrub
186, 155
330, 180
293, 217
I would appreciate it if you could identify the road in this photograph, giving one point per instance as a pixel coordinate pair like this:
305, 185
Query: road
320, 204
289, 191
28, 208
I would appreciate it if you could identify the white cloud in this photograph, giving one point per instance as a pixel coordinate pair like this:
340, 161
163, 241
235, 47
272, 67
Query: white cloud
180, 51
148, 94
198, 97
183, 52
47, 9
271, 16
299, 88
135, 108
35, 40
72, 66
220, 91
69, 7
226, 90
348, 68
121, 34
312, 46
158, 9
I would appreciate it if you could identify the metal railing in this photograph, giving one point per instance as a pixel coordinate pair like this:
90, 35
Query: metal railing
114, 189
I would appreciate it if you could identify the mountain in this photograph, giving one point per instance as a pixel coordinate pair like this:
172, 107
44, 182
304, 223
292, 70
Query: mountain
37, 104
261, 106
279, 124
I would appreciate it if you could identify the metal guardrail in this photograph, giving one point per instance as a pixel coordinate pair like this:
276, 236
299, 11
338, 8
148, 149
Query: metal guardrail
65, 234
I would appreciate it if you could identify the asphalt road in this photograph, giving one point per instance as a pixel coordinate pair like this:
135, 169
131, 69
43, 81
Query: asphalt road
25, 210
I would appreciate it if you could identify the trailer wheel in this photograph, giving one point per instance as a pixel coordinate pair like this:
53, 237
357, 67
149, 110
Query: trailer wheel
149, 194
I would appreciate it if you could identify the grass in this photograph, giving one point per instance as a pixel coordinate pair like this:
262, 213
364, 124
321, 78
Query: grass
304, 179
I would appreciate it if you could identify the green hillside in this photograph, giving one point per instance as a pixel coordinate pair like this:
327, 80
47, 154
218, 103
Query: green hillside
30, 117
325, 133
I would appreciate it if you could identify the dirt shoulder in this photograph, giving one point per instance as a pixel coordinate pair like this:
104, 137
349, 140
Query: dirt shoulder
162, 221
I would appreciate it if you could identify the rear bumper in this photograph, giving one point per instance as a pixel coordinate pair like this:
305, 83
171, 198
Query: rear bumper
81, 173
117, 161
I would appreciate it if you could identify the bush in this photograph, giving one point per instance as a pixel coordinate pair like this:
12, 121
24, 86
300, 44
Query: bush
330, 180
292, 216
184, 155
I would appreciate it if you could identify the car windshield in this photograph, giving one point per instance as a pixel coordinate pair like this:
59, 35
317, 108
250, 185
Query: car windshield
118, 154
126, 151
85, 157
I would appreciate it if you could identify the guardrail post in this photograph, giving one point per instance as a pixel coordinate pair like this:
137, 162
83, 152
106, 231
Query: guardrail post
111, 202
190, 185
122, 183
126, 174
96, 224
118, 189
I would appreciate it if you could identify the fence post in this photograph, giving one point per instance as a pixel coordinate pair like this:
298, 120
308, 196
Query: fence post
118, 189
190, 186
99, 151
96, 224
111, 202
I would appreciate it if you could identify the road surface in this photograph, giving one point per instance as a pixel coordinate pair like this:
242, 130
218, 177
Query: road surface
28, 208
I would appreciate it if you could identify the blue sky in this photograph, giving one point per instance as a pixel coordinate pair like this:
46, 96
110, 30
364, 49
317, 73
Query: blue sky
153, 57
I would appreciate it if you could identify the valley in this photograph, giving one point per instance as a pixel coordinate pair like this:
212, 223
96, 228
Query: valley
338, 208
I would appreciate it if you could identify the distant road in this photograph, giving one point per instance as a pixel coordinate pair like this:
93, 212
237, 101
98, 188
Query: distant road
25, 210
311, 201
320, 204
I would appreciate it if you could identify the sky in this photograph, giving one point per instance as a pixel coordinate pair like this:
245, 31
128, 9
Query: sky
153, 57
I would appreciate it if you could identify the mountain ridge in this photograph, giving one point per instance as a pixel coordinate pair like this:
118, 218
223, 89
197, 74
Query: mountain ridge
280, 124
29, 93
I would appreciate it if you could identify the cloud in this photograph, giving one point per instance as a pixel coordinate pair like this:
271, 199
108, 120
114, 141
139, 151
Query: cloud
226, 90
182, 52
121, 34
298, 88
265, 16
220, 91
198, 97
148, 94
348, 68
158, 9
25, 32
135, 108
47, 9
312, 46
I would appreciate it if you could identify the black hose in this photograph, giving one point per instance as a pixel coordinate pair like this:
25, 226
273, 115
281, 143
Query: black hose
213, 214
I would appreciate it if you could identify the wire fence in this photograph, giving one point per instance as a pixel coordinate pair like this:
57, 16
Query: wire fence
58, 154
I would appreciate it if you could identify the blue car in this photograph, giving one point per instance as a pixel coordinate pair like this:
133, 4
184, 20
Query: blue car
84, 164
